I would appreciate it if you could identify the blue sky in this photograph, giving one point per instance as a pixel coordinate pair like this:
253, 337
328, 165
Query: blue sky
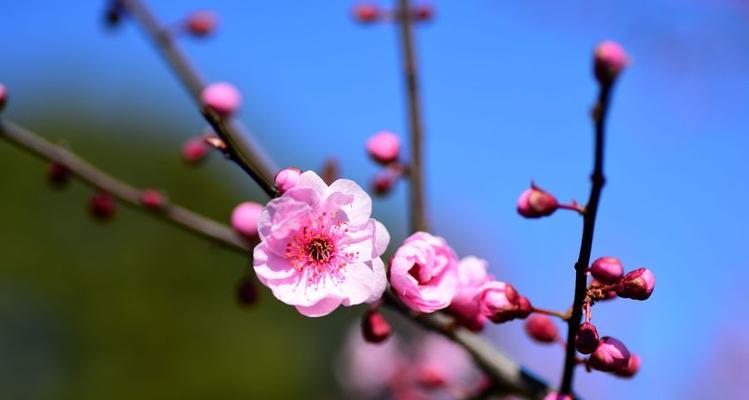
507, 90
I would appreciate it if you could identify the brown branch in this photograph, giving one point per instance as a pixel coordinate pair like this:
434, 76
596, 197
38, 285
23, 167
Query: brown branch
187, 220
418, 218
586, 242
239, 147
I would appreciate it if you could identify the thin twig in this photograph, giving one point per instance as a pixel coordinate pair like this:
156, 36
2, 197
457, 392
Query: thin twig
94, 177
586, 242
239, 148
418, 218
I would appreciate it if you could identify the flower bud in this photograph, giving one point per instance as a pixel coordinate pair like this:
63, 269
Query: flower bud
244, 219
607, 269
609, 60
374, 327
3, 96
194, 150
637, 284
222, 98
286, 179
102, 205
383, 182
523, 307
586, 340
201, 23
58, 174
366, 13
557, 396
500, 302
152, 199
631, 369
246, 292
541, 329
536, 203
423, 12
384, 147
610, 355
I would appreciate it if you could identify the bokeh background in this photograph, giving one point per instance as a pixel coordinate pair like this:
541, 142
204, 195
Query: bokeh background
136, 309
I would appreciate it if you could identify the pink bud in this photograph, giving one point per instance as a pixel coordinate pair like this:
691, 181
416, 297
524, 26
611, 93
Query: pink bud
286, 179
557, 396
58, 174
536, 203
423, 12
637, 284
610, 355
541, 329
366, 13
201, 23
631, 369
586, 340
194, 150
384, 147
610, 60
375, 327
152, 199
383, 182
222, 98
244, 219
102, 205
3, 96
500, 302
607, 269
247, 293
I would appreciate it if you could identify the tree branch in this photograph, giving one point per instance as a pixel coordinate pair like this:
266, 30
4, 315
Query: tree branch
239, 148
586, 242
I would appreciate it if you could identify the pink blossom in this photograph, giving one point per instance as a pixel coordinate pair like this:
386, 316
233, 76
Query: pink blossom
222, 98
541, 329
536, 203
375, 328
638, 284
286, 179
500, 302
472, 274
423, 272
319, 247
384, 147
194, 150
610, 355
609, 60
244, 218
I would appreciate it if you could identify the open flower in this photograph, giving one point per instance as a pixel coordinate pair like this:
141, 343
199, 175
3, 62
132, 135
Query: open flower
319, 247
424, 272
472, 274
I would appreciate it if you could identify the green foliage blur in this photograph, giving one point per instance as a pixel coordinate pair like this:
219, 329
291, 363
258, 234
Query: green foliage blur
135, 308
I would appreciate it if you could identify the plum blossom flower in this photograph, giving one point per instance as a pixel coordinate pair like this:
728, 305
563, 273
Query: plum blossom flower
472, 274
319, 247
423, 272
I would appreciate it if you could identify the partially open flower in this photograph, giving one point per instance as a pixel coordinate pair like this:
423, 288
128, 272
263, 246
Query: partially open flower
607, 269
201, 23
610, 60
244, 219
319, 247
638, 284
586, 340
384, 147
222, 98
472, 274
286, 179
102, 205
500, 302
194, 150
536, 203
541, 329
631, 369
610, 355
366, 13
375, 328
423, 272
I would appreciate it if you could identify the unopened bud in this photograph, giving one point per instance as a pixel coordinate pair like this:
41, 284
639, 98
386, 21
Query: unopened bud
500, 302
366, 13
536, 203
637, 284
247, 293
541, 329
222, 98
586, 340
244, 219
423, 12
607, 269
3, 96
375, 328
383, 182
610, 355
609, 60
201, 23
286, 179
384, 147
152, 199
631, 369
58, 175
194, 150
102, 205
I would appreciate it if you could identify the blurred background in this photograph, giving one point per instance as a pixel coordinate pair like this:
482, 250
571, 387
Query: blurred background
137, 309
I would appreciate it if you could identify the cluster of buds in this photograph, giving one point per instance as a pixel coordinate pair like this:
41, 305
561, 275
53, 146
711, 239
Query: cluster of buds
384, 148
536, 203
368, 13
609, 280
